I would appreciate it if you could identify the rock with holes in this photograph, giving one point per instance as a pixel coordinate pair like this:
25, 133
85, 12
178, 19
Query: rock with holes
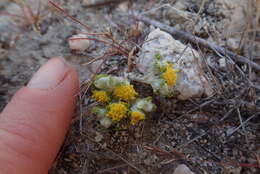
191, 79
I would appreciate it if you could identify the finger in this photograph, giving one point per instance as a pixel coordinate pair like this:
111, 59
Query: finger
34, 123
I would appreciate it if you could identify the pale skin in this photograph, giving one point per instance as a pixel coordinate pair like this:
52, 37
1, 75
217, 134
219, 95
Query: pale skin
34, 123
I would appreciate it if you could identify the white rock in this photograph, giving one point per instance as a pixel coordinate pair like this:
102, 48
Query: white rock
181, 4
182, 169
98, 137
79, 42
222, 63
87, 2
123, 7
106, 122
191, 79
91, 2
233, 43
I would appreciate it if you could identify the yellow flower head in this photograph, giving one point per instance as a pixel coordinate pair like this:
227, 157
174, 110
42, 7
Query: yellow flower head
101, 96
117, 111
170, 75
125, 92
136, 116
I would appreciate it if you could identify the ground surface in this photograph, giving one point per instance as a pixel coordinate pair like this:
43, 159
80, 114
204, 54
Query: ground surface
203, 129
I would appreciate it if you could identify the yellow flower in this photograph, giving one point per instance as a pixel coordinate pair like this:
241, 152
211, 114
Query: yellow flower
117, 111
170, 75
136, 116
101, 96
125, 92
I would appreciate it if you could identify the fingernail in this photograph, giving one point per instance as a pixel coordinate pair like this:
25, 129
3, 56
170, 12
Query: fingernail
49, 75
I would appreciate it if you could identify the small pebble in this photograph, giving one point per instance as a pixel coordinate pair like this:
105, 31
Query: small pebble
98, 137
123, 7
87, 2
79, 43
182, 169
222, 63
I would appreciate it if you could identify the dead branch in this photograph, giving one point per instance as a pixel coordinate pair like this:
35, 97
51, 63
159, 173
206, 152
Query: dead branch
197, 40
104, 3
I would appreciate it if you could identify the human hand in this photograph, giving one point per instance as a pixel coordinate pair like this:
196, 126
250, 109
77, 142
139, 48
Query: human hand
33, 125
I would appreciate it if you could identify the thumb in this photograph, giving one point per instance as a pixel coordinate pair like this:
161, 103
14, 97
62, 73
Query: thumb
34, 123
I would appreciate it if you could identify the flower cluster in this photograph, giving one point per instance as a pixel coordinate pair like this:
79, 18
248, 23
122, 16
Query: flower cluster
170, 75
136, 116
117, 111
101, 96
163, 77
125, 92
117, 99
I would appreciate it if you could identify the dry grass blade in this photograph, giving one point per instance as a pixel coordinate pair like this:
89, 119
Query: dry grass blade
112, 168
69, 16
130, 60
243, 123
97, 58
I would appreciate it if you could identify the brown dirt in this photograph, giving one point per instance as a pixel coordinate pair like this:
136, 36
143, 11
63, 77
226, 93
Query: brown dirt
201, 133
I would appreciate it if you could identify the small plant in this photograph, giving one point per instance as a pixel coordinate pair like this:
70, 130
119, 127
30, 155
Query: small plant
101, 96
117, 100
163, 77
125, 92
170, 75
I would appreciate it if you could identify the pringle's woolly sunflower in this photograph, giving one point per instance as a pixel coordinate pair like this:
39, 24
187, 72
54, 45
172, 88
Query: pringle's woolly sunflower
108, 83
144, 104
125, 92
101, 96
170, 75
136, 116
117, 111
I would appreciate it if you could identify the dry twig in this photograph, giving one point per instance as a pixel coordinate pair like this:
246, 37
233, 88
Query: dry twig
69, 16
104, 3
197, 40
243, 123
